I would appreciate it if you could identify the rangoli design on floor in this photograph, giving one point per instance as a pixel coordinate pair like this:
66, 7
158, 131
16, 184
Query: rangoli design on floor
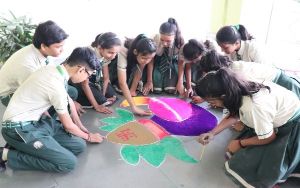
151, 138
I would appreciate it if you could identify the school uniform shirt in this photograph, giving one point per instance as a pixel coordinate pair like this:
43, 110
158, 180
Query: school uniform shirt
160, 48
43, 89
103, 61
255, 71
249, 51
18, 67
99, 74
122, 65
122, 59
268, 110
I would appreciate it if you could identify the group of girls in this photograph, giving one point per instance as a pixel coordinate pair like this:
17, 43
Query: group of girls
260, 96
143, 64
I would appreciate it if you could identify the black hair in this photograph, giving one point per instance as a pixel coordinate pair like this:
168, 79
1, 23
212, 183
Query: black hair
213, 61
48, 33
128, 42
232, 34
106, 40
171, 28
193, 49
144, 46
225, 85
83, 56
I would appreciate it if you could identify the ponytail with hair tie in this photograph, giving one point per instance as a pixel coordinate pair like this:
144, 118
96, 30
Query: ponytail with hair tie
237, 27
143, 36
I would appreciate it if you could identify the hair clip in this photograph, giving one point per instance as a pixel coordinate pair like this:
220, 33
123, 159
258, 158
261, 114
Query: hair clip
237, 27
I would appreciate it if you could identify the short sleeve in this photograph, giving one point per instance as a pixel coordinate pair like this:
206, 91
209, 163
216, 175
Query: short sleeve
122, 59
59, 99
261, 119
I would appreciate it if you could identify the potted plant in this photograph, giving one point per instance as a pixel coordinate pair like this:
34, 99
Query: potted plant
15, 33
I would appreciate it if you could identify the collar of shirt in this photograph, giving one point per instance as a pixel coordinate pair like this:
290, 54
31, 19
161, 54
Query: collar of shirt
41, 58
100, 57
96, 50
63, 71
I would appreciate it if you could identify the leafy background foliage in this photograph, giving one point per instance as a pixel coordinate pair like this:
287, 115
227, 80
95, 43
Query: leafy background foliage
15, 33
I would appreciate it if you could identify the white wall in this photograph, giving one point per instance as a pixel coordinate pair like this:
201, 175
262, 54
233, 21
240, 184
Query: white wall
277, 24
284, 35
255, 16
84, 19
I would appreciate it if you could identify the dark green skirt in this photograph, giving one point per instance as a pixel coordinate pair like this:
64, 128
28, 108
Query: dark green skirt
165, 81
288, 82
264, 166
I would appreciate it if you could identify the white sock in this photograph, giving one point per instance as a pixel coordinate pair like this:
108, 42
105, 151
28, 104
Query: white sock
4, 154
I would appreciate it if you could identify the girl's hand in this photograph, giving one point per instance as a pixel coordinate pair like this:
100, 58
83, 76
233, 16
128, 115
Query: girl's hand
133, 93
197, 99
141, 112
234, 146
79, 108
102, 109
94, 138
205, 138
147, 88
189, 93
180, 88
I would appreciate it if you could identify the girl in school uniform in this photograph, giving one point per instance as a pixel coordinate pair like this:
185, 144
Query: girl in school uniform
97, 90
213, 61
266, 152
166, 61
238, 44
131, 65
191, 53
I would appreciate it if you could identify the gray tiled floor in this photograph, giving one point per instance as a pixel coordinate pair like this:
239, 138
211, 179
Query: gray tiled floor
101, 166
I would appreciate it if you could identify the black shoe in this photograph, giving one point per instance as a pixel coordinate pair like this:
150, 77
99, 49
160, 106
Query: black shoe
2, 163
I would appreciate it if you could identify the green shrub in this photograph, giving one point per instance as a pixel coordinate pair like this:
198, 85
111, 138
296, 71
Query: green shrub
15, 33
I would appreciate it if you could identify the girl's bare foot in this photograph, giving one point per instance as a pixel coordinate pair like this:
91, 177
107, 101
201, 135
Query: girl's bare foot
112, 99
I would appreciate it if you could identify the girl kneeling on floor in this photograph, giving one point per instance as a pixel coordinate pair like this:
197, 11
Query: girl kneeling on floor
272, 139
131, 66
97, 90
